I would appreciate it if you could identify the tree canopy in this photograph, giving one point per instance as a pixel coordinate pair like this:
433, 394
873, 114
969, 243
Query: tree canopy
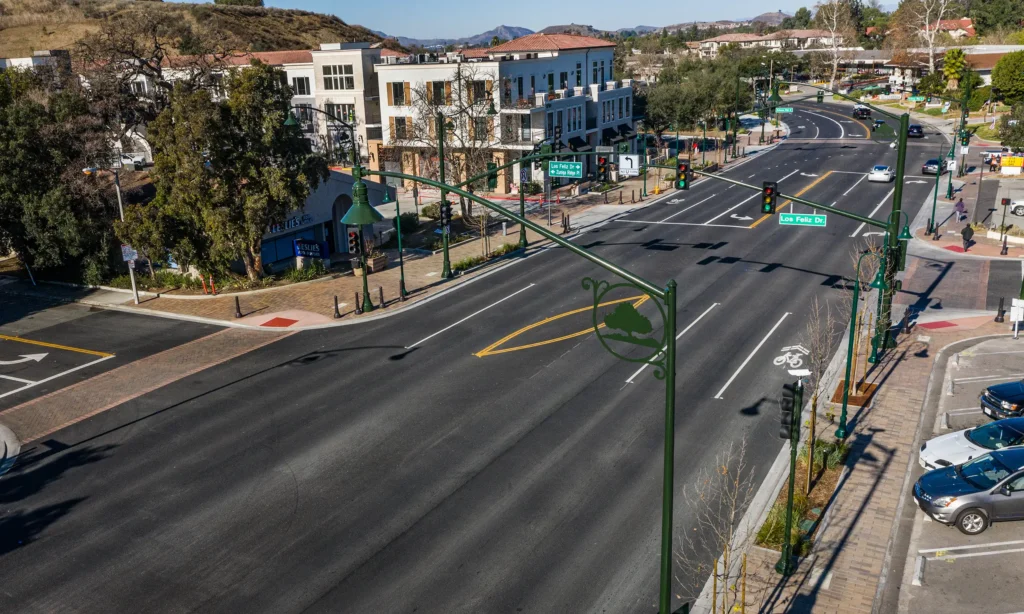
1008, 77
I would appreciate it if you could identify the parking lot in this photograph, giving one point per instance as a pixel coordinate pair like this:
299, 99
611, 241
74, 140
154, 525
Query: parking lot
946, 570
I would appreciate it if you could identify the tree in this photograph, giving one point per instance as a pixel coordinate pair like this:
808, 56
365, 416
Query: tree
471, 135
1008, 77
954, 65
226, 171
1012, 136
51, 214
991, 15
802, 18
920, 18
837, 19
932, 84
662, 107
821, 333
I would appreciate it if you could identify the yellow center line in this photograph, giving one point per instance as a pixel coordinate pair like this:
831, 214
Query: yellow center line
789, 202
867, 131
55, 346
490, 351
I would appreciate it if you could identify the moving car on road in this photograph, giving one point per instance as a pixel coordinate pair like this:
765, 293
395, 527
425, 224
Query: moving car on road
962, 446
860, 112
881, 172
977, 493
915, 131
1003, 400
931, 167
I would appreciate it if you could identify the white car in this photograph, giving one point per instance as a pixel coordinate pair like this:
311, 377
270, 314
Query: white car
882, 173
959, 447
133, 160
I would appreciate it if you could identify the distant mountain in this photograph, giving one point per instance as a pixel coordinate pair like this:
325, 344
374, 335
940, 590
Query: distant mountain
638, 30
771, 19
484, 38
573, 28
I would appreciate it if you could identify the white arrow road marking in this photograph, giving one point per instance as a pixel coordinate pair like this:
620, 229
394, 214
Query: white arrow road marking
777, 324
873, 212
676, 201
741, 218
868, 234
915, 181
752, 176
24, 358
846, 121
688, 208
800, 127
852, 135
808, 175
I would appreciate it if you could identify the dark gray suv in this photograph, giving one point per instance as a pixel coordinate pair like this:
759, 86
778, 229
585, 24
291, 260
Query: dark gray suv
973, 495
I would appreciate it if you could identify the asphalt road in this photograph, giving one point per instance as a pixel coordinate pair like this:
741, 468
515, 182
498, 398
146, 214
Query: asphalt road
340, 471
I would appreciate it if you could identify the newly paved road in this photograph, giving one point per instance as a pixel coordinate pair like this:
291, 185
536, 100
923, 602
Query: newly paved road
339, 471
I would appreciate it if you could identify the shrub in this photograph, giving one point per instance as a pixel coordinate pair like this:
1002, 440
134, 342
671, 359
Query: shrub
409, 222
313, 269
505, 249
432, 211
773, 531
979, 97
532, 187
467, 263
827, 454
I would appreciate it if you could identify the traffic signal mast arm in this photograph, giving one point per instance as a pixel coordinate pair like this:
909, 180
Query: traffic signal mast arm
796, 199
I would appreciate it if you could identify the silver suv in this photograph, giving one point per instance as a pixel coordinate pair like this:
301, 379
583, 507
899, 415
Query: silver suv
973, 495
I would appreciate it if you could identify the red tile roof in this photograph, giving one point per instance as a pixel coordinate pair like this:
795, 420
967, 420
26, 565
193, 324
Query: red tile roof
735, 37
392, 53
550, 42
476, 53
950, 25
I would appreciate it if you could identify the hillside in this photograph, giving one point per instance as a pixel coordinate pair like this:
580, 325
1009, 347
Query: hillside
771, 19
573, 28
484, 38
27, 25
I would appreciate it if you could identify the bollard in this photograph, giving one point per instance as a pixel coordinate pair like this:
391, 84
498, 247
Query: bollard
337, 312
935, 237
202, 280
213, 288
606, 197
632, 196
380, 292
359, 306
1001, 313
238, 309
620, 198
1005, 249
568, 222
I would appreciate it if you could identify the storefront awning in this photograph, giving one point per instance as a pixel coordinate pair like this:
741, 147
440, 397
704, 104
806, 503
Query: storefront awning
626, 132
611, 135
578, 144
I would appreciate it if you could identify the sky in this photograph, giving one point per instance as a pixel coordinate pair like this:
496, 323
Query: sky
458, 18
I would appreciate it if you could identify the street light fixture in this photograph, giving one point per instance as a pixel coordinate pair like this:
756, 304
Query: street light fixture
398, 229
361, 214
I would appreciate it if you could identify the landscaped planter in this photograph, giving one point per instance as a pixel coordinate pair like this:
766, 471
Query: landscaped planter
377, 263
994, 234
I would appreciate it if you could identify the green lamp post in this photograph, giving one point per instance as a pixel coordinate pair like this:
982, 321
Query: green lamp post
879, 284
879, 341
359, 214
398, 229
441, 127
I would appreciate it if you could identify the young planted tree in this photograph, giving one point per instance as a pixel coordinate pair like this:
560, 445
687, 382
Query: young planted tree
836, 18
918, 20
821, 334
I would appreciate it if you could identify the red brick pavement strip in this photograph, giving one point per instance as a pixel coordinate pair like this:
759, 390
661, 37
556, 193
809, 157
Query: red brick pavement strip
49, 413
855, 539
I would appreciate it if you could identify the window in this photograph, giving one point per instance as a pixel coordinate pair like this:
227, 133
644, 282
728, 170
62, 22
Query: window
551, 82
300, 85
339, 77
138, 87
563, 80
579, 74
481, 128
628, 112
304, 115
602, 71
594, 80
533, 84
1016, 485
344, 112
620, 108
437, 92
401, 128
558, 120
551, 126
479, 92
519, 86
397, 94
525, 127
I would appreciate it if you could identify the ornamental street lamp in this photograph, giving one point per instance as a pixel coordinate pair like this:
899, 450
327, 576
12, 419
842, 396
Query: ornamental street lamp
890, 262
879, 284
361, 214
442, 127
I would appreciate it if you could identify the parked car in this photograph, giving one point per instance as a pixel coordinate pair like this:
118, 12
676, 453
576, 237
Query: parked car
1016, 207
1003, 400
973, 495
962, 446
931, 167
915, 131
861, 113
882, 173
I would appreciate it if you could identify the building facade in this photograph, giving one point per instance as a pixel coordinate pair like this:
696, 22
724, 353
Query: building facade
776, 41
507, 100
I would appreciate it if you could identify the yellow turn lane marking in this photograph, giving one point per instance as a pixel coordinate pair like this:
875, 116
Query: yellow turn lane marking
491, 351
56, 346
789, 202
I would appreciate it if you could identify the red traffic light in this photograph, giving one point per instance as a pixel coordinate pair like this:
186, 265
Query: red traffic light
601, 161
1006, 202
767, 190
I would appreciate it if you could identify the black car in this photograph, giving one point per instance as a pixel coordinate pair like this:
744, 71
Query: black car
861, 113
915, 131
1003, 400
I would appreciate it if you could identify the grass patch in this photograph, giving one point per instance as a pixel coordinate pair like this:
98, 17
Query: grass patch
467, 263
827, 465
984, 131
162, 280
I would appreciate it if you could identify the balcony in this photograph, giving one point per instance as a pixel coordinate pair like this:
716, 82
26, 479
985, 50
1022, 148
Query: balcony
513, 104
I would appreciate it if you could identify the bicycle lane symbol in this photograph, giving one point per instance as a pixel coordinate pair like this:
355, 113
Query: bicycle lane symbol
793, 357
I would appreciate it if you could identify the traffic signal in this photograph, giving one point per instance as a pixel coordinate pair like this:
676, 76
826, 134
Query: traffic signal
1005, 202
965, 138
683, 175
446, 214
769, 195
787, 403
602, 169
821, 96
353, 243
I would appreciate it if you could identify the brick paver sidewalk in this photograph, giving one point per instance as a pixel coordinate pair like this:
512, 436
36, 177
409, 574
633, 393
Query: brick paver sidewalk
845, 568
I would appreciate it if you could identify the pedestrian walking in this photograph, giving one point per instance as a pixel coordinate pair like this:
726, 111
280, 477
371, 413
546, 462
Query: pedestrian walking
967, 233
961, 210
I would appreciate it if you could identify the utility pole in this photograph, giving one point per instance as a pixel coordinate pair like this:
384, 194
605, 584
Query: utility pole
120, 209
522, 203
892, 239
791, 405
446, 267
736, 112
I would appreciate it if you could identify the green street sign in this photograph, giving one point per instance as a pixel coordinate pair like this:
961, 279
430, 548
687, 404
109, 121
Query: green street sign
801, 219
571, 170
915, 98
783, 109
